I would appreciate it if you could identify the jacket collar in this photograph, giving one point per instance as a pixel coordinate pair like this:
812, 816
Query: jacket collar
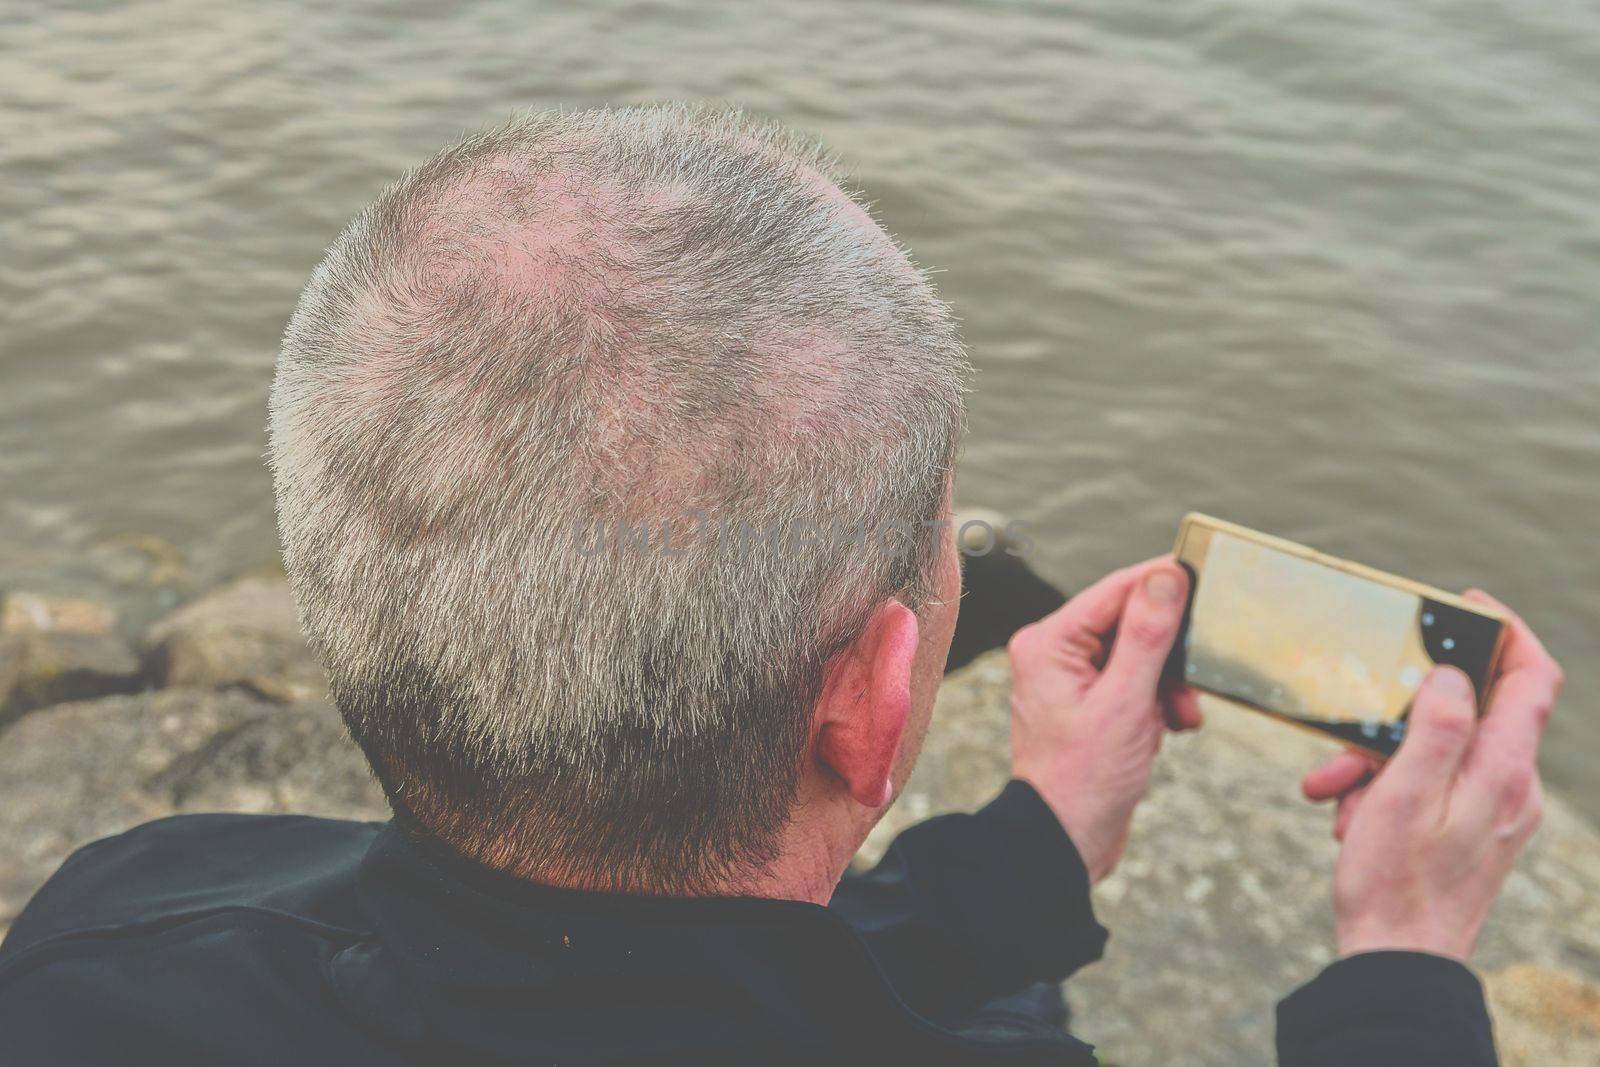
469, 960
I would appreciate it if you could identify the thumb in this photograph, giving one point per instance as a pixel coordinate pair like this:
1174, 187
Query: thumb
1439, 733
1146, 630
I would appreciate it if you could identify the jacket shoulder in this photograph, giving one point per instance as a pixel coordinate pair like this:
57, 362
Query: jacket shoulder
171, 871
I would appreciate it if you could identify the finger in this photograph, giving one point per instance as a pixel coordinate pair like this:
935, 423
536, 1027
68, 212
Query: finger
1520, 707
1180, 706
1522, 648
1094, 611
1439, 733
1146, 630
1521, 699
1338, 776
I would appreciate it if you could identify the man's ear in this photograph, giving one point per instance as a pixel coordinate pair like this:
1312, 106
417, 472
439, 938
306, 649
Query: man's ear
866, 700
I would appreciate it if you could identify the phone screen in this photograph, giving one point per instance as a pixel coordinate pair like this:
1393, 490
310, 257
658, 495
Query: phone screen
1282, 632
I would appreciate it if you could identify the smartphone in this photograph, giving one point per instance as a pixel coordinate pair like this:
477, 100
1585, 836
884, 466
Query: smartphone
1319, 642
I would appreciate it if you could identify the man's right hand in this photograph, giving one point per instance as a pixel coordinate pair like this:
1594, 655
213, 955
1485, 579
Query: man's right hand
1429, 839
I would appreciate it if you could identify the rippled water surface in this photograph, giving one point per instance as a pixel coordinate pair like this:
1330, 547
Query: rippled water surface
1330, 269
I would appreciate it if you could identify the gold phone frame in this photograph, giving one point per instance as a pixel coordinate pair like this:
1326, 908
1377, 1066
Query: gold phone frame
1184, 549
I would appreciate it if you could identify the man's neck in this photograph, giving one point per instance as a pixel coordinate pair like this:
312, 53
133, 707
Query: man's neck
807, 868
822, 837
815, 850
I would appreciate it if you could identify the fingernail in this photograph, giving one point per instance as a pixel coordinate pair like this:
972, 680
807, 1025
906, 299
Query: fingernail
1450, 682
1163, 586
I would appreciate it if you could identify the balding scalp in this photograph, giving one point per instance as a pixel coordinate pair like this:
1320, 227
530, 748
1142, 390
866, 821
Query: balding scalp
586, 319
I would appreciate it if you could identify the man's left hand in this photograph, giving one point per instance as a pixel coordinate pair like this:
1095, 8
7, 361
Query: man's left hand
1089, 707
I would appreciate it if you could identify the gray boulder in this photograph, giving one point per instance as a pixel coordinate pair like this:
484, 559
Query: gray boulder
74, 773
38, 668
1222, 904
22, 612
244, 636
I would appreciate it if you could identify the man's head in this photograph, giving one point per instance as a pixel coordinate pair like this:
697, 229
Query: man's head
544, 339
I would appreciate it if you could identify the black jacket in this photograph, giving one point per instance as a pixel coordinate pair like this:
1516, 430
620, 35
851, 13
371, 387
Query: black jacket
224, 939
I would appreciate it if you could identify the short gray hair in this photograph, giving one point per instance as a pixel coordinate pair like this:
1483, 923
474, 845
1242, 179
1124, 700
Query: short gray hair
617, 316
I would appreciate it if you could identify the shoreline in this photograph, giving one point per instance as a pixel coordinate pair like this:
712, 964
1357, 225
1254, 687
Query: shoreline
217, 705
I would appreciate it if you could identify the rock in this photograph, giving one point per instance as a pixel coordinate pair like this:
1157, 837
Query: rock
38, 669
138, 560
244, 635
1544, 1016
75, 773
23, 612
1220, 907
1222, 904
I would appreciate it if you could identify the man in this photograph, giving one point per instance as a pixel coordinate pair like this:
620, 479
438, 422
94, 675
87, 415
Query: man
536, 419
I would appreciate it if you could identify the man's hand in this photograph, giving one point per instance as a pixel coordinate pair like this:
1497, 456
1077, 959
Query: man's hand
1429, 838
1087, 706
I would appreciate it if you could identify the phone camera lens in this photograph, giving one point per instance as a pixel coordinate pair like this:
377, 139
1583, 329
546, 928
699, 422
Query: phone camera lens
1448, 643
1427, 618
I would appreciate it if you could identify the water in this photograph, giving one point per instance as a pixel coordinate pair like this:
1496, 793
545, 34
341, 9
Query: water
1328, 269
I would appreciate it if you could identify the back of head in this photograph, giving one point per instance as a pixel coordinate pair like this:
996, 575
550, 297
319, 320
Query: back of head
515, 372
